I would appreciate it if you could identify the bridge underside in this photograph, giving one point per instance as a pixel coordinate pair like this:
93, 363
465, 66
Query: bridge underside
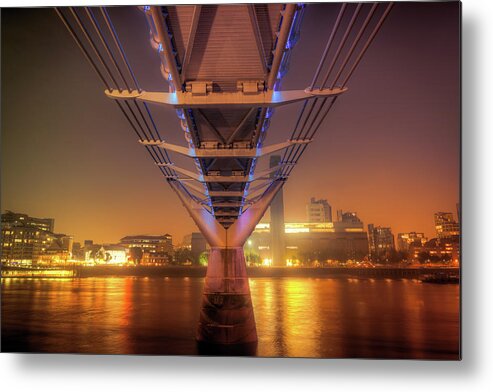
223, 65
232, 54
231, 51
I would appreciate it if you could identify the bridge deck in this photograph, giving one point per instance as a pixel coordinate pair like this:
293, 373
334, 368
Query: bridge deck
224, 48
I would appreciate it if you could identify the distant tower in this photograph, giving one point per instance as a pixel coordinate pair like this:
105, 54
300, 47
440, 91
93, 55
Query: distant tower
380, 242
445, 225
198, 245
319, 211
277, 222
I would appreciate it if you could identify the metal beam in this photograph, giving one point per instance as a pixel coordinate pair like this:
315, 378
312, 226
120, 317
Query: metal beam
180, 100
223, 152
240, 125
214, 233
262, 185
207, 178
227, 204
287, 21
241, 229
162, 32
258, 37
226, 213
199, 190
265, 173
212, 127
191, 38
186, 172
225, 193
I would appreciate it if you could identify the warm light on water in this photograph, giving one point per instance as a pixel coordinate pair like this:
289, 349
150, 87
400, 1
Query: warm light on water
296, 317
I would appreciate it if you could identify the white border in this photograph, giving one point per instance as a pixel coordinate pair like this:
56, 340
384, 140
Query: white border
134, 373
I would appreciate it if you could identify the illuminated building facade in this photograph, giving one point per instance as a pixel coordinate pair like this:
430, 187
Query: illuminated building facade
20, 244
27, 240
308, 242
17, 219
318, 211
149, 249
106, 254
445, 225
407, 240
57, 250
381, 243
437, 250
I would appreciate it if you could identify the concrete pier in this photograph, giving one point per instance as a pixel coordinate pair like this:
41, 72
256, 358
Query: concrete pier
226, 316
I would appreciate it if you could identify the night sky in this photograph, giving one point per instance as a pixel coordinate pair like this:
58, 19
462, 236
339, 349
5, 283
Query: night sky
389, 149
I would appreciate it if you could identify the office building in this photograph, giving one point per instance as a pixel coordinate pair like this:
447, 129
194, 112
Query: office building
445, 225
318, 211
412, 239
380, 242
149, 249
25, 239
17, 219
309, 243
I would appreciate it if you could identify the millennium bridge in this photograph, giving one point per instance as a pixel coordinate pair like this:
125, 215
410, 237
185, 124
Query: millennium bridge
222, 69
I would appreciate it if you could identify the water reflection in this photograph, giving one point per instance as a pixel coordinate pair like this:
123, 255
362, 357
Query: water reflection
296, 317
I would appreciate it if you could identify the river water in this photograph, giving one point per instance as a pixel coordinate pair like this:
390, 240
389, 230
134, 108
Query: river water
296, 317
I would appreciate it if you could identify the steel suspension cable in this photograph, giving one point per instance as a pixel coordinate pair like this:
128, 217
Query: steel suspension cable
315, 77
112, 31
82, 48
288, 152
121, 51
358, 60
328, 45
370, 40
105, 82
341, 44
93, 46
157, 151
355, 43
100, 35
296, 149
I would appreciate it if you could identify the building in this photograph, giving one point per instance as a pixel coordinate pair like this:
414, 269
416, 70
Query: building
77, 251
27, 240
437, 250
198, 245
308, 242
58, 249
149, 249
348, 220
445, 225
105, 254
412, 239
22, 244
17, 219
318, 211
381, 243
277, 222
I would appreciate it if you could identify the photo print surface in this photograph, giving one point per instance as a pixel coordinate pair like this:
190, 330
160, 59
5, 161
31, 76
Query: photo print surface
270, 180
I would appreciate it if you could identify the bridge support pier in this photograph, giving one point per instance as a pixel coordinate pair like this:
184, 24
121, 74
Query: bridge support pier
227, 317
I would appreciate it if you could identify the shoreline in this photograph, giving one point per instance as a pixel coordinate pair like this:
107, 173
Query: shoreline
253, 272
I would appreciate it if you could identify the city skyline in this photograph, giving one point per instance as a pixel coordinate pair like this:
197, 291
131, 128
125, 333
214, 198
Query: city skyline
178, 241
395, 161
351, 251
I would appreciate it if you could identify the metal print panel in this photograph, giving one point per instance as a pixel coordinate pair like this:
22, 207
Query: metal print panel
273, 180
